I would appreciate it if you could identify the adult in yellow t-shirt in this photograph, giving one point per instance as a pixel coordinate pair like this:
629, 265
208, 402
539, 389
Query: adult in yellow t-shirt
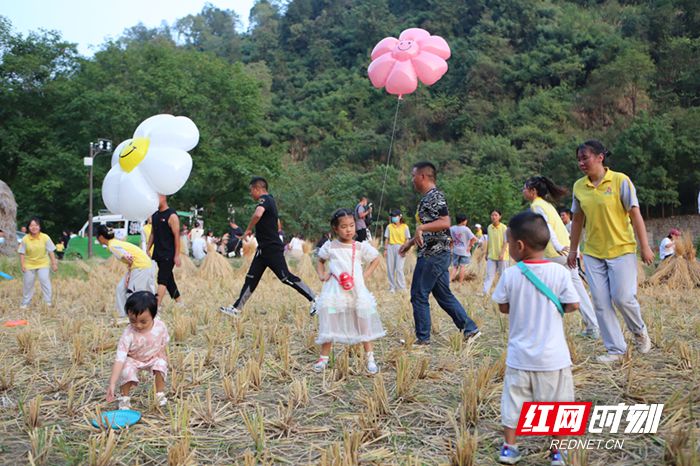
497, 249
139, 275
536, 190
36, 255
395, 235
606, 202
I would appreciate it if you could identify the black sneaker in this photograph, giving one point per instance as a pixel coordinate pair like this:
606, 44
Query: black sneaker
420, 343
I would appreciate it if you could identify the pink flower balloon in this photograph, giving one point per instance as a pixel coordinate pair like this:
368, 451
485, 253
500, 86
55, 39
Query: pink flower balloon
398, 64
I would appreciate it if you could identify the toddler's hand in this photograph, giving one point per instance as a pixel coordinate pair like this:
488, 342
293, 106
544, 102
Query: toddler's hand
324, 277
110, 394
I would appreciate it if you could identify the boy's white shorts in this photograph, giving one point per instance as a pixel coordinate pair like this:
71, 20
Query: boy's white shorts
521, 386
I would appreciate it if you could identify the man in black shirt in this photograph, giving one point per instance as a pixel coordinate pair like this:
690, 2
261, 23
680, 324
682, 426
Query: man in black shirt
431, 275
165, 239
270, 252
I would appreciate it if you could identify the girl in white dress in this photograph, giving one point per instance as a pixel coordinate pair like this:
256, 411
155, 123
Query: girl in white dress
347, 311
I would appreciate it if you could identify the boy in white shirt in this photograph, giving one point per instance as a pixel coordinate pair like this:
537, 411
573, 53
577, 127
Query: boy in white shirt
538, 363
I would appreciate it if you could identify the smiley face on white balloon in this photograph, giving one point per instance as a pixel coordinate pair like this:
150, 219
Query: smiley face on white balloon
155, 161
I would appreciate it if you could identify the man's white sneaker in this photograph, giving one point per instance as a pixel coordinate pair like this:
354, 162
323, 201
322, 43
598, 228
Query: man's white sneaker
609, 358
471, 336
643, 342
313, 309
230, 310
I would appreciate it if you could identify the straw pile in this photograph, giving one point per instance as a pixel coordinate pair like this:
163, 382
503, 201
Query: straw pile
249, 246
305, 268
115, 265
641, 272
8, 216
187, 265
680, 272
215, 266
476, 270
308, 247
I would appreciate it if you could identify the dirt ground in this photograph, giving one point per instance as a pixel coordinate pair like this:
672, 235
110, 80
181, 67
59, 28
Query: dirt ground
242, 390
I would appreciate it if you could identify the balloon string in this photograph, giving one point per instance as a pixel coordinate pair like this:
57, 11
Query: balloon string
388, 159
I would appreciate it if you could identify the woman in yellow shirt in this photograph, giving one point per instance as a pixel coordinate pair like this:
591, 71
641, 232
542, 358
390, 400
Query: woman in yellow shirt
139, 275
395, 235
606, 202
539, 190
36, 254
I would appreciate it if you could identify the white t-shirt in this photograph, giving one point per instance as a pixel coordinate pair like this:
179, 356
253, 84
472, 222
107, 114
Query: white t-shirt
296, 244
461, 235
199, 248
663, 252
536, 340
196, 233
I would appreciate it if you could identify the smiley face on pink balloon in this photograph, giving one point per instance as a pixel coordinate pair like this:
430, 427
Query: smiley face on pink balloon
398, 64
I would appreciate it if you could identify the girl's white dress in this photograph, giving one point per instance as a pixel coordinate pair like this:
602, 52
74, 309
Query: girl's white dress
348, 317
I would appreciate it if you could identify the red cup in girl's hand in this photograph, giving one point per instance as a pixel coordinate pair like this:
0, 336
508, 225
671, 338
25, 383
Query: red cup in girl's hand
346, 281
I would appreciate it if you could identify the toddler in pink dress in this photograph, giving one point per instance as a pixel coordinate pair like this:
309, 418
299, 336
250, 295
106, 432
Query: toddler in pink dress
141, 348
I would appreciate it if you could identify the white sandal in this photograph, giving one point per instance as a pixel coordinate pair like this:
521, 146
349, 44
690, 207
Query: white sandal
161, 399
321, 364
124, 402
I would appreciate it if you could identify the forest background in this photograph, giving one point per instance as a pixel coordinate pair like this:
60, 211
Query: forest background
290, 100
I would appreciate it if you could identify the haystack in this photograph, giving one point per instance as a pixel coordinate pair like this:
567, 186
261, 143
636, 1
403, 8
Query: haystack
8, 219
187, 265
215, 266
308, 247
641, 272
476, 270
249, 246
382, 267
305, 269
682, 271
115, 265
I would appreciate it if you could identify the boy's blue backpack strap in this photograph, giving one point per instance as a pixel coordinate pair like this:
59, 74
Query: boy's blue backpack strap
544, 289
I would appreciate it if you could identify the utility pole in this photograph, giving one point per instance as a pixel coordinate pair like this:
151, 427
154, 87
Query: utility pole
95, 149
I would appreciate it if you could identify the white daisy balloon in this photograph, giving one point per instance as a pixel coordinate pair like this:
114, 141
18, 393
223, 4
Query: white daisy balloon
155, 161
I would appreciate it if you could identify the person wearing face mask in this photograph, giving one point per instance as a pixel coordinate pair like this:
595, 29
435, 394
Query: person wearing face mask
395, 235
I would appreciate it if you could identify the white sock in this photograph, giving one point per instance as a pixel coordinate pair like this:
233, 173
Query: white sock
323, 358
370, 356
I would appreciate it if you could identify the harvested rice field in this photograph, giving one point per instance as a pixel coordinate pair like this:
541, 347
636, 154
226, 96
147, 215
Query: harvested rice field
242, 390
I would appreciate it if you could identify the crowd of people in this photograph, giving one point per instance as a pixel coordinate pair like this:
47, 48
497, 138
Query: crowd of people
545, 283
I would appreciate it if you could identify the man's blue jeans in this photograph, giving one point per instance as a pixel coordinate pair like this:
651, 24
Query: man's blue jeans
431, 275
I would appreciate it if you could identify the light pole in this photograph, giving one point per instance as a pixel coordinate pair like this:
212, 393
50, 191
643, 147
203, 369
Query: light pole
95, 148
